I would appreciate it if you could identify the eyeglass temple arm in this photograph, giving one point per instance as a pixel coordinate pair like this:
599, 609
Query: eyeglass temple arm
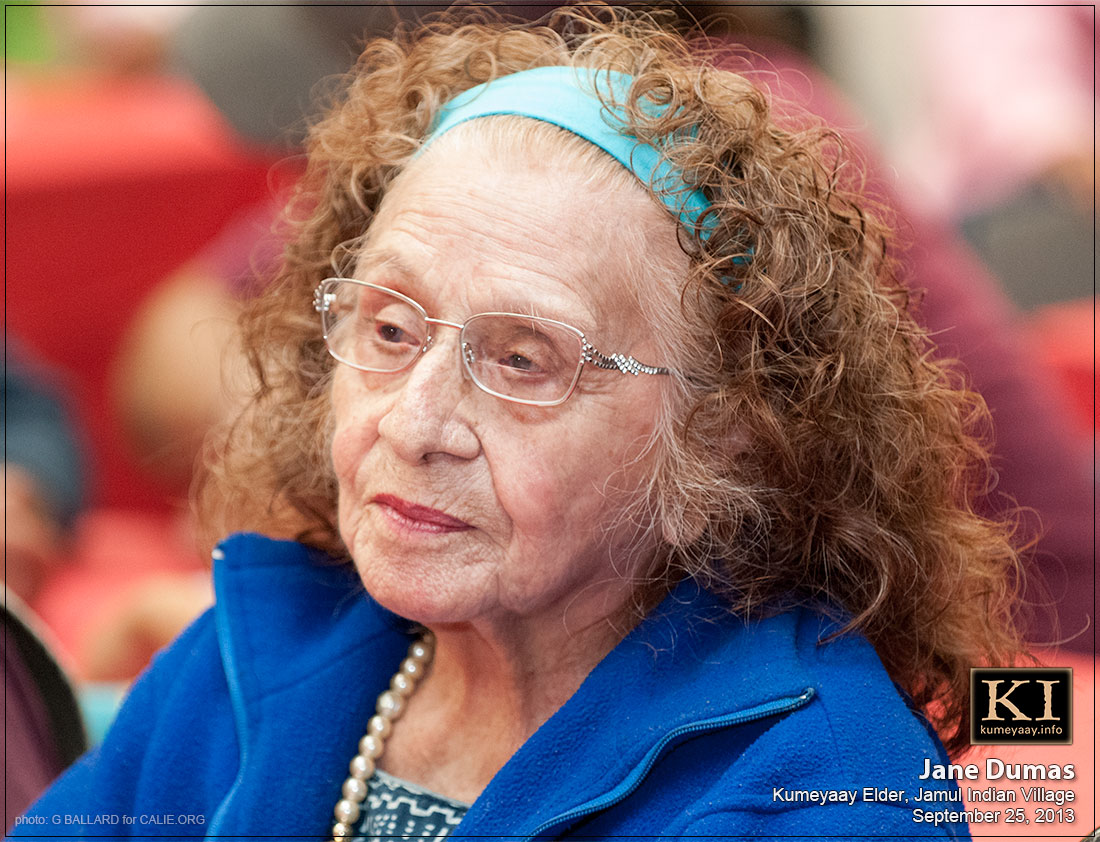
617, 362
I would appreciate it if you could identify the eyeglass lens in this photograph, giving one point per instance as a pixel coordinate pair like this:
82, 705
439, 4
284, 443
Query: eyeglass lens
513, 356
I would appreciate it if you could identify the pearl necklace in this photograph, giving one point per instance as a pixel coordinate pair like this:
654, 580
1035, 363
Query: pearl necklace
390, 706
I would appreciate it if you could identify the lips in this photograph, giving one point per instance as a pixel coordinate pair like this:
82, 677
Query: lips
419, 517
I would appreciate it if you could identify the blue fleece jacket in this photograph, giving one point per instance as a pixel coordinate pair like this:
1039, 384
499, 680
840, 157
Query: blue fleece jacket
698, 724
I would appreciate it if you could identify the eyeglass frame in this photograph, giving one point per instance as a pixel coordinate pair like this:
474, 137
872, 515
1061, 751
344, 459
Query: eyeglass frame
624, 364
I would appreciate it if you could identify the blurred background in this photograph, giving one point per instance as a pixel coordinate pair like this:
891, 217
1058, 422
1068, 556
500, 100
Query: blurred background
148, 147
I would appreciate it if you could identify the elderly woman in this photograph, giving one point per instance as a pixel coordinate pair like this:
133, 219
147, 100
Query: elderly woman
627, 500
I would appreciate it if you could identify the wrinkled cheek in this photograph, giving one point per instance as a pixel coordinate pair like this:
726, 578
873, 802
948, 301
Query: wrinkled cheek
350, 446
349, 523
547, 508
342, 465
590, 505
345, 455
352, 433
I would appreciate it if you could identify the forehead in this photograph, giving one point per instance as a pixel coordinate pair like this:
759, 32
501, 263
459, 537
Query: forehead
504, 225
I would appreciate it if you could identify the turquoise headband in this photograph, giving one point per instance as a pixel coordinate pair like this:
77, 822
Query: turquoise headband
587, 107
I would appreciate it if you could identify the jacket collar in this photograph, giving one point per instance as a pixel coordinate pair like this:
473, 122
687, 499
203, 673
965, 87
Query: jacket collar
670, 674
306, 652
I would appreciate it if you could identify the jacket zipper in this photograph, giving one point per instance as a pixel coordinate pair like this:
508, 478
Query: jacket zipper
633, 780
236, 695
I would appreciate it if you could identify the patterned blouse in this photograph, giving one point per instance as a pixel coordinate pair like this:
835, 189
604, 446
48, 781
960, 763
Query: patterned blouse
397, 809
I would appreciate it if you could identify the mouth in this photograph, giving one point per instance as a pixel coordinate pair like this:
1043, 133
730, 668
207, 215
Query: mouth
416, 517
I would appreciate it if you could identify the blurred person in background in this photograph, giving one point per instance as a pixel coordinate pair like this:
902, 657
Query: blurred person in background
988, 117
43, 731
44, 488
45, 492
1008, 100
44, 473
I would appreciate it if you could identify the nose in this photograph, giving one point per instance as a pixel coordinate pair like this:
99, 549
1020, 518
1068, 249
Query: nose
429, 414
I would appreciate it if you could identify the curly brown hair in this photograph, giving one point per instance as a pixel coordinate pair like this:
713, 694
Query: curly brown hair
813, 451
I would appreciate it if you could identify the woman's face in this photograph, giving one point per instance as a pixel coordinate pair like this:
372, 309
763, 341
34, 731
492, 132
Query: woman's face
456, 505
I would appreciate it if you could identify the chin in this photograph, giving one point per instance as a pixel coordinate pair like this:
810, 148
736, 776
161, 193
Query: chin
411, 594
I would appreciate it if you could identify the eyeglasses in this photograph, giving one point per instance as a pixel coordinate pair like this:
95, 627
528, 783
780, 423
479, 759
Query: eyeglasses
524, 359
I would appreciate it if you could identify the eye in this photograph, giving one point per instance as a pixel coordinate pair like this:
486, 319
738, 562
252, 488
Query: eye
529, 355
519, 362
390, 332
521, 356
391, 326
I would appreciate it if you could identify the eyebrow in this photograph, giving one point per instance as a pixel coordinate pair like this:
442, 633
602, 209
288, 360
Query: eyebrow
373, 261
574, 317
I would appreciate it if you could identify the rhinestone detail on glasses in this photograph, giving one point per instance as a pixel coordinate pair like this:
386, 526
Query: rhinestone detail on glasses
627, 365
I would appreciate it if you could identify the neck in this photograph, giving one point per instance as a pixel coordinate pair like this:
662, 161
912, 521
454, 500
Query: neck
489, 688
519, 682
